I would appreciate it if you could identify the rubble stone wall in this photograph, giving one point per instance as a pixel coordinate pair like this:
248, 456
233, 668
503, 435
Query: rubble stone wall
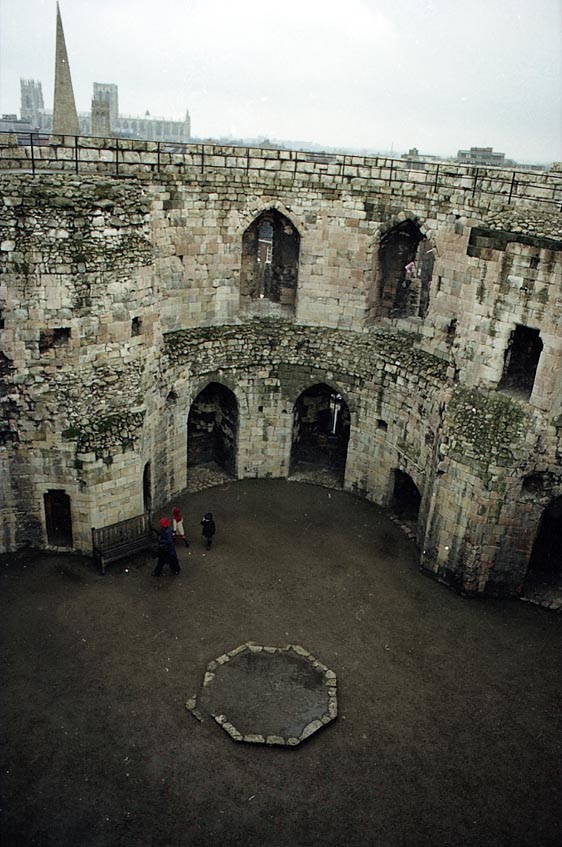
120, 302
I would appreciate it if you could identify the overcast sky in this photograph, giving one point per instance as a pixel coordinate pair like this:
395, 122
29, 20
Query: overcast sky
439, 75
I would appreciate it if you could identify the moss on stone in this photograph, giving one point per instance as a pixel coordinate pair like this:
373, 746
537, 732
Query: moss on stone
484, 426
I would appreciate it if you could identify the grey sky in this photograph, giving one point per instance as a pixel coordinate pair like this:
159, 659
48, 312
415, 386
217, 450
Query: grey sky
435, 74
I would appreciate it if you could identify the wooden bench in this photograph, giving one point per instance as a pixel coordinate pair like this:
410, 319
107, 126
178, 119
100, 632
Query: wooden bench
122, 539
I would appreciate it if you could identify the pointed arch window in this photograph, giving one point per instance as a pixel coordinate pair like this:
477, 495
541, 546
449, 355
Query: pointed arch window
270, 256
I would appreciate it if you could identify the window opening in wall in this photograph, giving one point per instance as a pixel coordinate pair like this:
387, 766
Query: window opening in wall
269, 269
49, 338
335, 409
147, 488
451, 332
520, 362
212, 430
265, 244
406, 498
405, 269
1, 319
58, 520
382, 425
545, 564
321, 423
136, 326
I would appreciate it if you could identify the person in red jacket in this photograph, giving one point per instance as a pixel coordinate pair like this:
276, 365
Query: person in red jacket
177, 526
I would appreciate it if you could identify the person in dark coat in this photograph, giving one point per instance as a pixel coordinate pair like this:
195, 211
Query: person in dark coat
209, 529
166, 550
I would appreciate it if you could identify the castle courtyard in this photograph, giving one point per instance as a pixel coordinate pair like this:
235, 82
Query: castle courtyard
448, 730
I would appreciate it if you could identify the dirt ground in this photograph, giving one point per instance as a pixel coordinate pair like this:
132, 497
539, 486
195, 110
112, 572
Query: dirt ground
449, 731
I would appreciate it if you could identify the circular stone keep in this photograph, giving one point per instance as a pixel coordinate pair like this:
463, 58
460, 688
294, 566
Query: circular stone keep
268, 695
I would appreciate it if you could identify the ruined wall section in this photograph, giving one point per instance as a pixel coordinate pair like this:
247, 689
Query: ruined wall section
489, 280
76, 273
197, 234
96, 269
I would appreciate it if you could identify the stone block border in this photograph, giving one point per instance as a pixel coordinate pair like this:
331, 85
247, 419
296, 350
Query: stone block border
330, 682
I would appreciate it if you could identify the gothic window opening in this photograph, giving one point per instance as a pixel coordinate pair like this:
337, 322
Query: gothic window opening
406, 497
321, 424
58, 519
520, 362
405, 269
136, 326
545, 564
269, 270
212, 429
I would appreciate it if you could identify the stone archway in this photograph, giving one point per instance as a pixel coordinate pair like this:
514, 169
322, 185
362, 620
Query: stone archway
406, 498
321, 423
545, 563
212, 429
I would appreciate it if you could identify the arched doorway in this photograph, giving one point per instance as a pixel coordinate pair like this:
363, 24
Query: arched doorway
212, 429
406, 498
58, 519
545, 564
270, 256
321, 423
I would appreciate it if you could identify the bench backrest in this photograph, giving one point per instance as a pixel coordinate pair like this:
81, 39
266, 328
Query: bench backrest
122, 531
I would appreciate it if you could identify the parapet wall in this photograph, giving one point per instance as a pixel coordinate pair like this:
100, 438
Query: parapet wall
462, 186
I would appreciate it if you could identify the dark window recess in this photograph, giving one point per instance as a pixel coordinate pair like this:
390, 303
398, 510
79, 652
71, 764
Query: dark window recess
405, 269
382, 425
49, 338
406, 498
451, 331
540, 484
521, 361
136, 326
58, 518
1, 319
172, 397
270, 255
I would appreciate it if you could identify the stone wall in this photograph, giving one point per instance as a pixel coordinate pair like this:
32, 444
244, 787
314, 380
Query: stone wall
120, 301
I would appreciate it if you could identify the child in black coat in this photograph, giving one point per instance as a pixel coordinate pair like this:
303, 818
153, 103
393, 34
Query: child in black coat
209, 529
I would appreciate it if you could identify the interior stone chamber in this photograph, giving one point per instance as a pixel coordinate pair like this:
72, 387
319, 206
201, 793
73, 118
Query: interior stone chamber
405, 337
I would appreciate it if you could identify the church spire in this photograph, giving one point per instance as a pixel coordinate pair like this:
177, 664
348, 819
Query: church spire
65, 117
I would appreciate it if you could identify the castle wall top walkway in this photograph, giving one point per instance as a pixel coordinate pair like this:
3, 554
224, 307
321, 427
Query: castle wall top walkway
447, 182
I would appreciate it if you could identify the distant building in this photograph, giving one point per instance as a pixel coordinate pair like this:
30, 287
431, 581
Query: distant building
415, 161
124, 126
101, 119
108, 92
483, 156
11, 123
31, 101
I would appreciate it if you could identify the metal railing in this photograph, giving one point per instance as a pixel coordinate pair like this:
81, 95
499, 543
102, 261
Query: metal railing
511, 185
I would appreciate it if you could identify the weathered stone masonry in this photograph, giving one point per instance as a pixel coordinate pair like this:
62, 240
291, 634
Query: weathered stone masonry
120, 301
